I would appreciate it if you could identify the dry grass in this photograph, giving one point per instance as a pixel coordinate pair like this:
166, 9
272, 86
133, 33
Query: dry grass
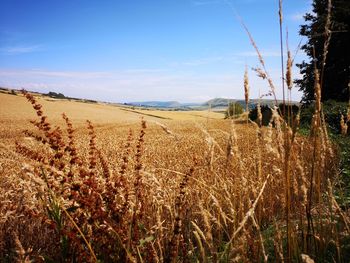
193, 115
196, 188
210, 190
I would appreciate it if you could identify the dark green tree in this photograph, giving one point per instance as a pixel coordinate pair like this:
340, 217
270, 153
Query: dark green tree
233, 109
56, 95
336, 72
266, 113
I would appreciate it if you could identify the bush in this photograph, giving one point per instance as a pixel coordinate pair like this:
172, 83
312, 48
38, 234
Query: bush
291, 111
332, 113
233, 109
266, 114
56, 95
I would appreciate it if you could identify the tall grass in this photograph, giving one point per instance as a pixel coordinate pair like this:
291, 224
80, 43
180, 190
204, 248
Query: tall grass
173, 192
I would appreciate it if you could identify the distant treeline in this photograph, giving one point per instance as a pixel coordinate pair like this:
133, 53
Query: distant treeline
289, 111
55, 95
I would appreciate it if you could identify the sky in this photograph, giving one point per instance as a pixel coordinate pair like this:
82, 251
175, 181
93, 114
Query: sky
134, 50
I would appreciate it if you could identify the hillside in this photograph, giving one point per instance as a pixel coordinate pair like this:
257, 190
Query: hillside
213, 103
224, 102
16, 111
156, 104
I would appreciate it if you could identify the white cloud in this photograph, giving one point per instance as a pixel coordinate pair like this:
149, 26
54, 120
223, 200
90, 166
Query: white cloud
202, 61
254, 54
20, 49
136, 84
297, 17
205, 2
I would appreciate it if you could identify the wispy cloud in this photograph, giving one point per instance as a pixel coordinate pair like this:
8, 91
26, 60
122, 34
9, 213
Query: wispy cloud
297, 17
202, 61
58, 74
205, 2
254, 54
135, 84
21, 49
231, 58
236, 58
123, 85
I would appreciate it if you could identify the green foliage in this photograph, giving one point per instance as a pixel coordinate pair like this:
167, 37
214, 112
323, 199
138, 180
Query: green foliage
233, 109
219, 102
337, 68
266, 113
343, 144
56, 95
90, 101
289, 112
332, 111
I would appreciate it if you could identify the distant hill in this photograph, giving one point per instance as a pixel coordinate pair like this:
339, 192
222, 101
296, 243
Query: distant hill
160, 104
219, 102
224, 102
213, 103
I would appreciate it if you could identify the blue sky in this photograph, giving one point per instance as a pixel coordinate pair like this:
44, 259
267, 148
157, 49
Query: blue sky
119, 51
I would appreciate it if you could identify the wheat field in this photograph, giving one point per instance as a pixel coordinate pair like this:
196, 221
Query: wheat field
129, 187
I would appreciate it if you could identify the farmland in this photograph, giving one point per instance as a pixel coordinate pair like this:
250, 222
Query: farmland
15, 113
173, 186
161, 177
